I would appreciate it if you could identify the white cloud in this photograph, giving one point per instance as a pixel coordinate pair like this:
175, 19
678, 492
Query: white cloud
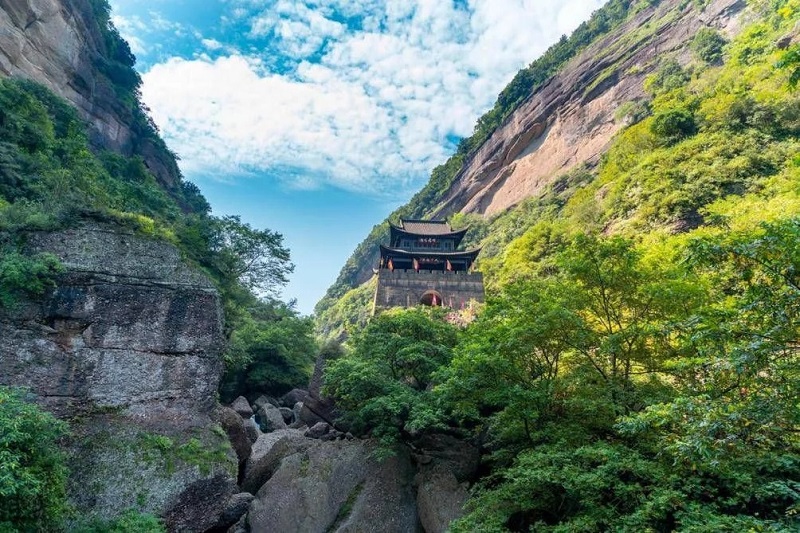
372, 110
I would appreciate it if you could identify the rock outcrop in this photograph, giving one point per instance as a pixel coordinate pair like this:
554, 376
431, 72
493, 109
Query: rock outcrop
59, 44
127, 349
570, 119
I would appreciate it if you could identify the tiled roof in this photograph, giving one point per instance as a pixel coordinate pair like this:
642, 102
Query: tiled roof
426, 227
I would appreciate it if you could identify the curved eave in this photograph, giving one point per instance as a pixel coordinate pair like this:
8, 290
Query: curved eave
398, 252
457, 235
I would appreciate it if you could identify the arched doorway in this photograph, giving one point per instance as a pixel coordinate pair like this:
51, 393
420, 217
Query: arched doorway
431, 298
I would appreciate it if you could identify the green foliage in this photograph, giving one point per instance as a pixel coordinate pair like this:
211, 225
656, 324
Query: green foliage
130, 521
791, 61
33, 474
669, 77
22, 276
708, 45
271, 350
384, 383
673, 125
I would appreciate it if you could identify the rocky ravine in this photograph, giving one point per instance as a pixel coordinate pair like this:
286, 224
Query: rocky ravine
127, 349
569, 121
320, 480
58, 44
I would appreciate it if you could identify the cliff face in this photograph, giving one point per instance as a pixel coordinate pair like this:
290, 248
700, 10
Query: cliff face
570, 120
60, 44
127, 348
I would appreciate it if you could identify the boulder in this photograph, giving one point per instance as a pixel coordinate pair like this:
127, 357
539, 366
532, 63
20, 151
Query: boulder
440, 499
198, 506
263, 400
233, 425
251, 429
455, 455
269, 418
338, 487
293, 396
242, 406
267, 453
234, 510
288, 414
318, 430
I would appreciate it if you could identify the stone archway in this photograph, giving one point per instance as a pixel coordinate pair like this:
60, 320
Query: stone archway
431, 298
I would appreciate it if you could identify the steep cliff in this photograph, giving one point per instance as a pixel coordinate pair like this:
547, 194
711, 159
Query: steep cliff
564, 122
127, 349
68, 46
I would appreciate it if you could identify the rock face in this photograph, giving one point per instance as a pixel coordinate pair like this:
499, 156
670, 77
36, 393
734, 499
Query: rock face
127, 348
570, 120
337, 487
58, 43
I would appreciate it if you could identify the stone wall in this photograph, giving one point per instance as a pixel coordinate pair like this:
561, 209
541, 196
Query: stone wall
405, 288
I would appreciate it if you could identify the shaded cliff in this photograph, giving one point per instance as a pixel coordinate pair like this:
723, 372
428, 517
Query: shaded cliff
70, 47
559, 123
127, 349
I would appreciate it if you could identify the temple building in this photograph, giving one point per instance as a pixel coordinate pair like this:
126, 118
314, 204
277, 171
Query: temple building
424, 265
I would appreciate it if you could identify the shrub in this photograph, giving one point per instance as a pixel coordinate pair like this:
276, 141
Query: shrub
707, 45
33, 475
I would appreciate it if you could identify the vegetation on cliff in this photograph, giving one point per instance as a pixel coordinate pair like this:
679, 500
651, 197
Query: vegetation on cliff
635, 367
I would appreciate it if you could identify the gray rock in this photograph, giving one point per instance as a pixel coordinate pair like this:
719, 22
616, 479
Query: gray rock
440, 499
267, 453
288, 415
264, 400
252, 429
318, 430
240, 526
131, 354
234, 510
242, 406
293, 396
269, 418
338, 487
233, 425
199, 505
459, 457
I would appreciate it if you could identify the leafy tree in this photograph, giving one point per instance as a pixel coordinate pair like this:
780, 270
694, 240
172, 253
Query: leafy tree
383, 385
254, 258
791, 61
673, 125
271, 350
708, 45
33, 474
25, 276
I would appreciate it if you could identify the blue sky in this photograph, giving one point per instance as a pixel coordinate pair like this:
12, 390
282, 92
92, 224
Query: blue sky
318, 118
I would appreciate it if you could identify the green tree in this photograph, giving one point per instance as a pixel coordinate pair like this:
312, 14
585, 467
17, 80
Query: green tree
256, 259
708, 45
33, 474
383, 384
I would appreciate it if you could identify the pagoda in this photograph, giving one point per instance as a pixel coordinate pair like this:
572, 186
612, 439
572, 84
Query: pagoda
423, 265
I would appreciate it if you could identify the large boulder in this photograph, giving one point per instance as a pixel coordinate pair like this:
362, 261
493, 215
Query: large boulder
267, 453
264, 400
251, 429
440, 499
338, 487
234, 510
242, 406
128, 348
233, 425
270, 418
293, 396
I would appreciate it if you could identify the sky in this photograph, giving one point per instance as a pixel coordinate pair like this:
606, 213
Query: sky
318, 118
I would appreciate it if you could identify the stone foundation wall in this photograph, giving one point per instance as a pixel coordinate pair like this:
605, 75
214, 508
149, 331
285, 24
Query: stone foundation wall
405, 288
